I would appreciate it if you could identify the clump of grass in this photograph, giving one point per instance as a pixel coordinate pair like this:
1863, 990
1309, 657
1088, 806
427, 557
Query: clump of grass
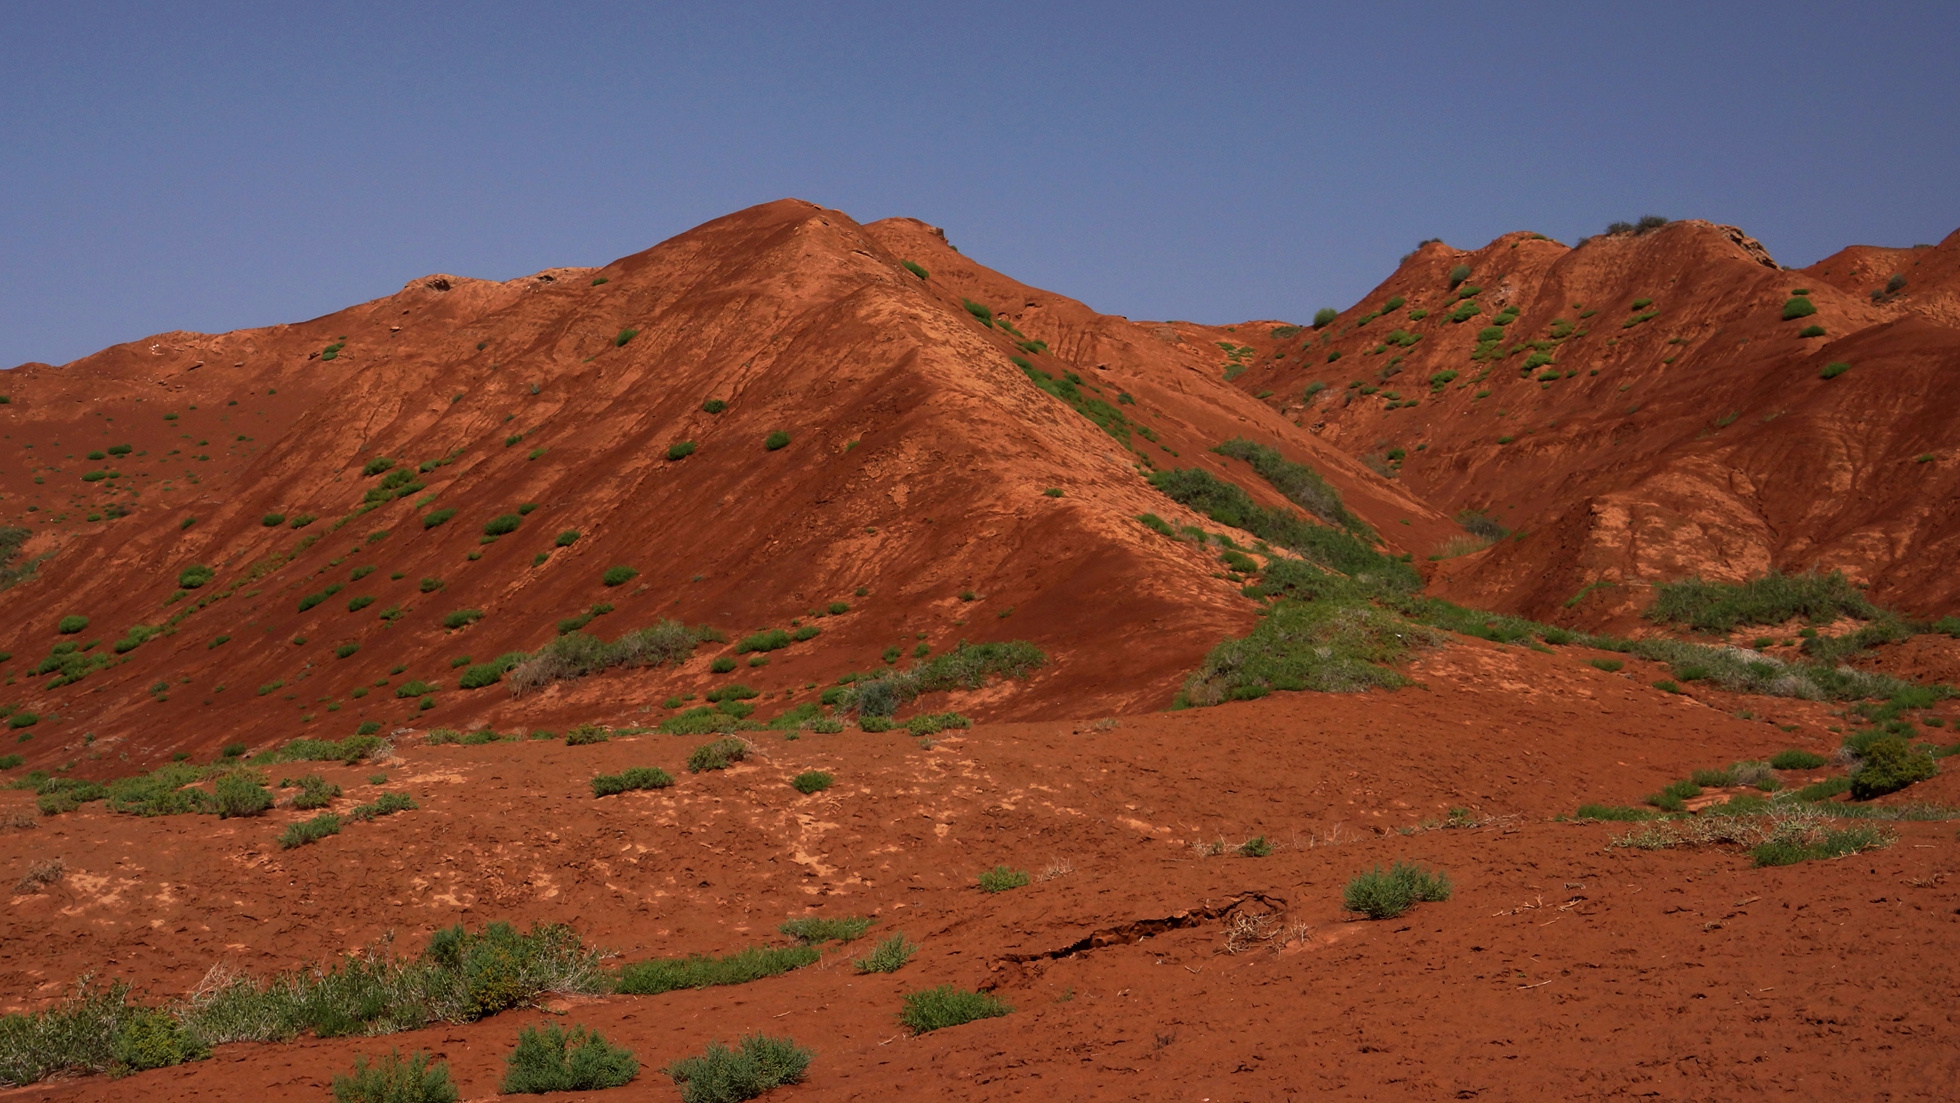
308, 831
724, 1075
811, 930
585, 734
1326, 646
680, 449
651, 978
1610, 666
776, 440
618, 575
1003, 878
934, 723
1794, 759
577, 654
1834, 369
1889, 763
719, 754
393, 1079
1255, 847
1797, 842
1798, 306
888, 956
1612, 812
944, 1006
811, 781
1385, 894
625, 335
549, 1058
1772, 599
637, 777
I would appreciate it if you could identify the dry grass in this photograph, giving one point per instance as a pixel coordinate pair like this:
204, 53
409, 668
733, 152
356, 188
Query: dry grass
1060, 867
40, 875
20, 818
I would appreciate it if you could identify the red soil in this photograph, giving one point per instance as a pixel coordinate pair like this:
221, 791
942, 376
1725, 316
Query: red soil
1558, 967
916, 471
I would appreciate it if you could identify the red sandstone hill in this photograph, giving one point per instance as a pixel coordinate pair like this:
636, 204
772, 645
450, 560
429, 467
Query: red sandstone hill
1646, 412
917, 471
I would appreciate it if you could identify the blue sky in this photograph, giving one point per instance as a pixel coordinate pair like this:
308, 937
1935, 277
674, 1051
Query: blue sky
212, 166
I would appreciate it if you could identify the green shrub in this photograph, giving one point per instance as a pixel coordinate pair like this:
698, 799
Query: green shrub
437, 517
356, 604
1824, 790
1797, 843
1771, 599
376, 466
680, 449
1811, 331
154, 1039
386, 805
490, 673
934, 723
719, 754
23, 720
619, 575
585, 735
1889, 763
1797, 760
888, 956
776, 440
1833, 370
502, 525
916, 270
874, 723
273, 520
195, 575
314, 792
723, 1075
813, 929
984, 314
1385, 894
1255, 847
1322, 645
567, 538
462, 618
811, 781
69, 625
238, 794
1608, 665
394, 1080
1798, 307
1458, 274
944, 1006
551, 1059
1003, 878
772, 639
1617, 813
625, 335
651, 978
301, 832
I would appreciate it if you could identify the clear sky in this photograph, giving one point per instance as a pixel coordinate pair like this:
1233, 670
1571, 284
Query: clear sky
210, 166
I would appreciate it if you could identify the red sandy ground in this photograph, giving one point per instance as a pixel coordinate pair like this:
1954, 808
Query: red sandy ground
919, 457
1559, 967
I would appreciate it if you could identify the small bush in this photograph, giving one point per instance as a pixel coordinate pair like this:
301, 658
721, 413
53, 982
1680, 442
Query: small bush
386, 805
717, 755
1608, 665
1002, 878
1458, 274
462, 618
1811, 331
394, 1080
314, 792
239, 795
586, 735
195, 575
1834, 369
273, 520
651, 978
1798, 843
69, 625
770, 640
722, 664
619, 575
680, 449
888, 956
944, 1006
1797, 760
1798, 307
309, 831
638, 777
1385, 894
567, 538
1616, 813
625, 335
723, 1075
415, 687
776, 440
502, 525
1890, 764
437, 518
551, 1059
1255, 847
812, 929
812, 781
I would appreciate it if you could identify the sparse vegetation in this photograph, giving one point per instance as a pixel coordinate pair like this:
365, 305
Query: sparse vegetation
1834, 369
680, 449
1797, 306
1003, 878
776, 440
811, 781
1771, 599
577, 654
813, 929
888, 956
718, 754
1385, 894
551, 1059
724, 1075
619, 575
944, 1006
393, 1079
651, 978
